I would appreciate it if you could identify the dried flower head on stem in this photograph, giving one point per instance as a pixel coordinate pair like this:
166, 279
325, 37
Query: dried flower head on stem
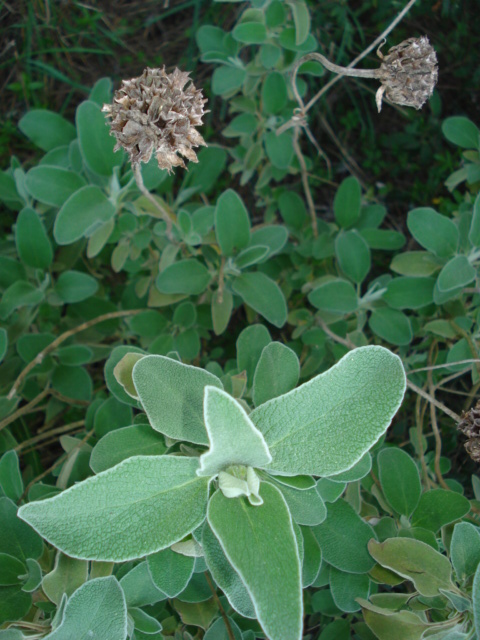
157, 113
408, 73
470, 426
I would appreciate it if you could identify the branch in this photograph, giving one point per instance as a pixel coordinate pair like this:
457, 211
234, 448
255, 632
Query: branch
65, 336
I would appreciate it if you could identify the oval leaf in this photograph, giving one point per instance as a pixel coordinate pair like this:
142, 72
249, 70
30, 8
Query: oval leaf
52, 185
433, 231
82, 214
400, 480
263, 295
347, 202
336, 296
46, 129
190, 277
277, 372
75, 286
343, 538
232, 224
353, 255
172, 395
96, 610
458, 272
96, 143
33, 244
439, 507
426, 568
123, 443
461, 131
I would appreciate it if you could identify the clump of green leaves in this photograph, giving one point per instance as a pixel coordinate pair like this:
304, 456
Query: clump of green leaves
201, 492
252, 488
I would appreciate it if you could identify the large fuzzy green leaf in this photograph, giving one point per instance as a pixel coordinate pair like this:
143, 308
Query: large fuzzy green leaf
142, 505
172, 396
327, 424
96, 610
260, 544
225, 575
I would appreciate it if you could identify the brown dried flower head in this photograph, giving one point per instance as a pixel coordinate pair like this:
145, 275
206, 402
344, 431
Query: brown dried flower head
155, 113
470, 426
408, 73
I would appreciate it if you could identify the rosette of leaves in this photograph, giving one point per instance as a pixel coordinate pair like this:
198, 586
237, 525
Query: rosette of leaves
228, 485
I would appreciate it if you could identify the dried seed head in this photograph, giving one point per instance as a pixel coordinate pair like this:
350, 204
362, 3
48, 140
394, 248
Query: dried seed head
473, 448
155, 113
470, 422
470, 426
408, 73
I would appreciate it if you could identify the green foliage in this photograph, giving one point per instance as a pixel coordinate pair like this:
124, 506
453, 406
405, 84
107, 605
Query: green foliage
229, 473
148, 503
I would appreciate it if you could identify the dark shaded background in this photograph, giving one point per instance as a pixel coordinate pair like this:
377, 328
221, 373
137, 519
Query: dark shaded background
52, 52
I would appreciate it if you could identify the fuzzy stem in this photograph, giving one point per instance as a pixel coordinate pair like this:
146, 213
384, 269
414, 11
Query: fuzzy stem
56, 464
437, 436
139, 180
26, 409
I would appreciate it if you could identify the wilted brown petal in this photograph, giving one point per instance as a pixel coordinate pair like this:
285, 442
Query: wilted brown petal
155, 114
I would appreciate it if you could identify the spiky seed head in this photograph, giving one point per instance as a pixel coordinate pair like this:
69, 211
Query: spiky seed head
470, 426
473, 449
156, 113
408, 73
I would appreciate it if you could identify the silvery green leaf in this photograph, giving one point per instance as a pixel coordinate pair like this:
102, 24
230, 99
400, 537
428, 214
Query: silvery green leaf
172, 395
189, 548
139, 588
465, 549
67, 576
170, 571
476, 600
240, 481
428, 569
142, 505
306, 507
225, 575
326, 425
276, 373
343, 538
96, 611
234, 439
260, 544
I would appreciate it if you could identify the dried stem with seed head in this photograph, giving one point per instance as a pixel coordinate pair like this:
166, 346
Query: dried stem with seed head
354, 62
157, 113
408, 73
